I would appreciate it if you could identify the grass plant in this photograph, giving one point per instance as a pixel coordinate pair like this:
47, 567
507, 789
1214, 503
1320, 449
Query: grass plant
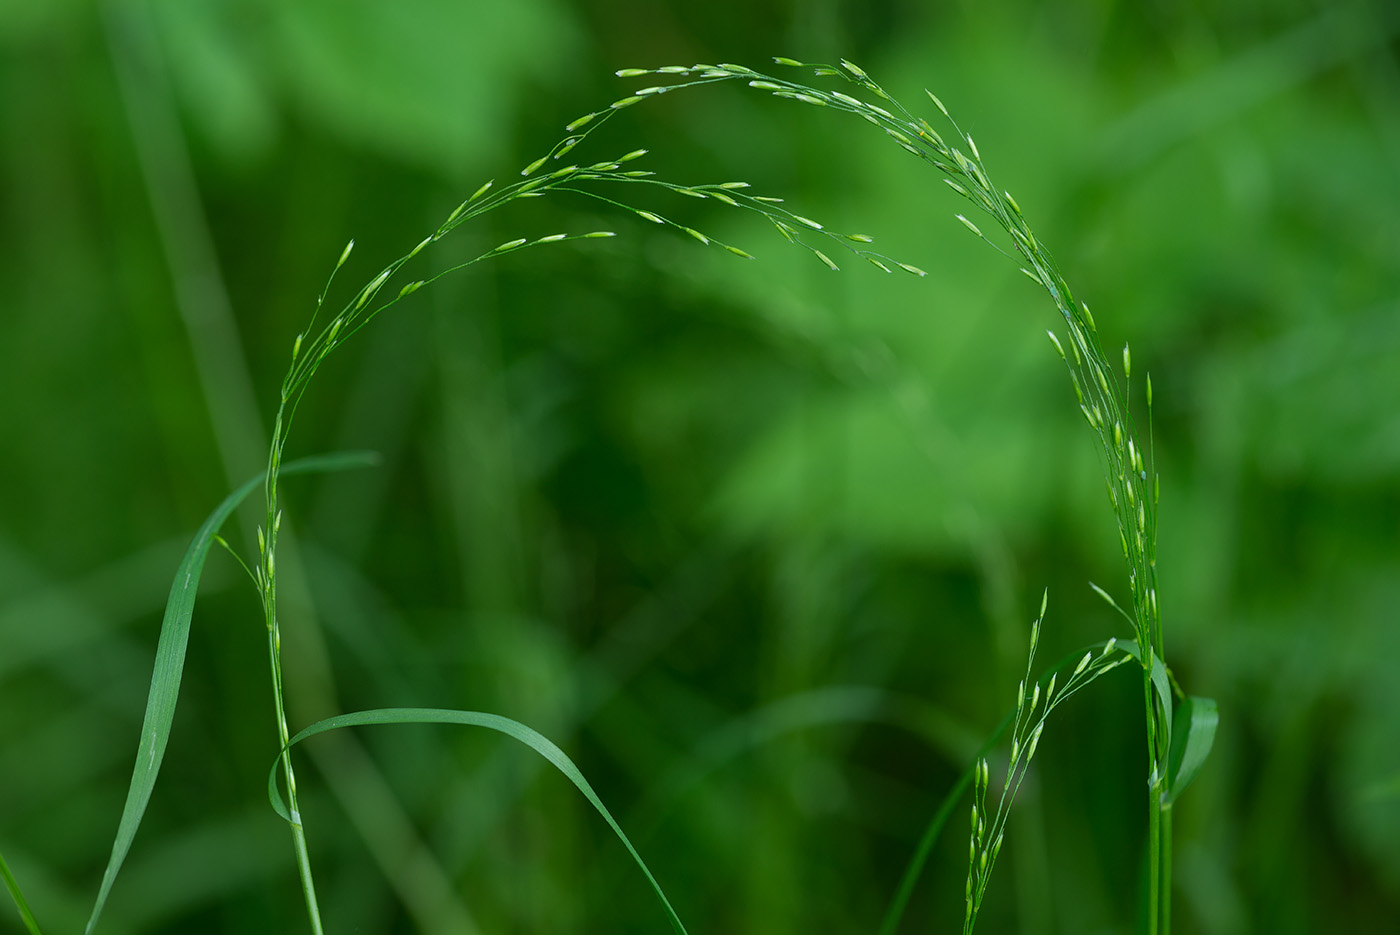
1179, 729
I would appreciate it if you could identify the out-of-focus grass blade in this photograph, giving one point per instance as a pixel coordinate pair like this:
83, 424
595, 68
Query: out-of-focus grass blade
170, 660
915, 868
13, 886
1191, 746
528, 736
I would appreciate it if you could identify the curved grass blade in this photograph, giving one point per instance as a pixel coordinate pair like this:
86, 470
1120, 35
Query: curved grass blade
12, 885
1191, 746
170, 659
528, 736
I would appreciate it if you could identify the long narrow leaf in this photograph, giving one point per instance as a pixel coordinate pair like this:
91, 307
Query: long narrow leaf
528, 736
12, 885
1191, 746
915, 867
170, 660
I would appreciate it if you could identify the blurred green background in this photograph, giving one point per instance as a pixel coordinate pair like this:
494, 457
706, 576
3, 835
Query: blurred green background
757, 543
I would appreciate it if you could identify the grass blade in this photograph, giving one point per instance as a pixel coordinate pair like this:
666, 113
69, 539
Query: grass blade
915, 868
1191, 746
170, 660
526, 735
12, 885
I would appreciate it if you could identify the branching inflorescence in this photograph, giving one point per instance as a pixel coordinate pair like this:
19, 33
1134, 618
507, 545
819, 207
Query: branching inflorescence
1129, 470
1131, 480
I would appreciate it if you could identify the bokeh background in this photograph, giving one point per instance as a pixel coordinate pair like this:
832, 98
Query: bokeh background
757, 543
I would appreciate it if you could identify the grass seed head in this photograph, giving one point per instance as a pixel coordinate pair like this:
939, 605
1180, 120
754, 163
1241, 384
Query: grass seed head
1035, 740
853, 69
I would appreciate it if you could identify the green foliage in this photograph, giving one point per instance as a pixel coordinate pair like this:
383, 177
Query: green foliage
635, 510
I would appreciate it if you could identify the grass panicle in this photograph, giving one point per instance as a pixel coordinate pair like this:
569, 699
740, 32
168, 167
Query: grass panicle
1102, 394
